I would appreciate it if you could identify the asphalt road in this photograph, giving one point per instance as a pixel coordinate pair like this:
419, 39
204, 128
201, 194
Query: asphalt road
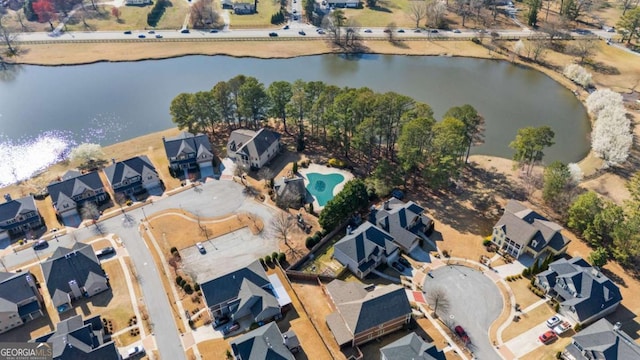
474, 303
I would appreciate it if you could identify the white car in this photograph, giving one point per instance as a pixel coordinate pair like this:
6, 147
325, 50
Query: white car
136, 350
553, 322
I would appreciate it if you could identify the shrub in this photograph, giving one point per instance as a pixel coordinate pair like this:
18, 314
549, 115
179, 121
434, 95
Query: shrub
445, 253
187, 288
282, 257
156, 12
174, 250
274, 256
337, 163
294, 167
309, 242
578, 327
129, 202
196, 287
578, 75
486, 242
191, 324
526, 272
556, 307
253, 326
179, 280
267, 259
262, 262
559, 355
304, 164
475, 40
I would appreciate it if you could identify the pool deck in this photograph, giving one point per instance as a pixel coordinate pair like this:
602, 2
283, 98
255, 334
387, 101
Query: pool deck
325, 170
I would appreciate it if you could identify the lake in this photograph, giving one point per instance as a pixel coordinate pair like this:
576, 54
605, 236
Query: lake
46, 110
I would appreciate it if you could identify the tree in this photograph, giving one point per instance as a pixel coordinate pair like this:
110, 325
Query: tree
204, 110
203, 15
384, 177
598, 257
45, 11
417, 11
253, 100
436, 10
583, 211
535, 48
282, 224
611, 138
334, 24
584, 49
352, 198
8, 37
529, 145
626, 240
280, 94
629, 25
473, 125
578, 75
234, 85
557, 179
462, 9
444, 158
603, 98
372, 4
182, 112
221, 92
532, 16
439, 300
115, 11
633, 185
415, 141
28, 11
390, 30
86, 153
599, 232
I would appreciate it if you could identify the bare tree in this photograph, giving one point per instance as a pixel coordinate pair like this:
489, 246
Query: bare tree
462, 9
584, 49
8, 37
417, 11
282, 224
534, 49
436, 10
203, 15
439, 300
20, 18
391, 31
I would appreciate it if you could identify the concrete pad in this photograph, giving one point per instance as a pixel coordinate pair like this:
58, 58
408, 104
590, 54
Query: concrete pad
514, 268
527, 341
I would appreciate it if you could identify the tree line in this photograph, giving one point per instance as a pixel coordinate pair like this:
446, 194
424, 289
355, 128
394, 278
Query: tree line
392, 136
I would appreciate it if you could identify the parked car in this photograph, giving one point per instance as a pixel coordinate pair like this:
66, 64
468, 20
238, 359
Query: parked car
133, 351
272, 34
387, 31
553, 321
302, 33
321, 32
462, 334
562, 328
547, 337
231, 328
417, 31
404, 262
286, 27
221, 321
397, 266
105, 251
201, 248
40, 244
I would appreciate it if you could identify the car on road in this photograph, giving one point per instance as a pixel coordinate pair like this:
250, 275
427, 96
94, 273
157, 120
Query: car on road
387, 31
401, 30
231, 328
184, 31
221, 321
547, 337
295, 17
213, 31
462, 334
141, 36
456, 31
553, 321
133, 351
404, 262
272, 34
54, 230
152, 31
40, 244
434, 31
128, 32
368, 31
286, 27
295, 11
397, 266
105, 251
301, 32
321, 32
158, 36
417, 31
562, 328
201, 248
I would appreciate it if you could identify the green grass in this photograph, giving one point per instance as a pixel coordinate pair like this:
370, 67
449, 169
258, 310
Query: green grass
266, 8
386, 12
135, 18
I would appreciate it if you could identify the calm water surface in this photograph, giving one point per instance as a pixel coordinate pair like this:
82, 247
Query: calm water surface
44, 110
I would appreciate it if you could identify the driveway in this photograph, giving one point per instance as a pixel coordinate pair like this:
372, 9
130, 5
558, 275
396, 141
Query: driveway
474, 303
527, 341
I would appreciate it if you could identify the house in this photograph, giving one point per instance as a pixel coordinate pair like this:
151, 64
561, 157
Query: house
362, 314
20, 300
602, 341
584, 293
77, 339
189, 152
263, 343
72, 274
290, 193
240, 8
406, 222
344, 3
74, 190
245, 292
521, 230
18, 216
413, 347
132, 176
137, 2
227, 4
253, 149
364, 248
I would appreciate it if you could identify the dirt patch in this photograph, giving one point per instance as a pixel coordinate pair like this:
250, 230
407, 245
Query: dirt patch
524, 296
215, 349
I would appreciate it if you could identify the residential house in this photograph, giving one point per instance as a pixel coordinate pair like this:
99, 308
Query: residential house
18, 216
412, 347
245, 292
227, 4
189, 152
132, 176
74, 190
242, 8
263, 343
72, 274
362, 314
20, 300
364, 248
344, 3
76, 339
253, 149
290, 193
137, 2
406, 222
521, 230
584, 293
602, 341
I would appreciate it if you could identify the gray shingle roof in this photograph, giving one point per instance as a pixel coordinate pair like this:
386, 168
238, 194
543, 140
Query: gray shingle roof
78, 263
186, 142
15, 288
228, 286
374, 308
365, 240
601, 341
116, 172
396, 220
411, 347
263, 343
73, 185
255, 146
10, 209
255, 299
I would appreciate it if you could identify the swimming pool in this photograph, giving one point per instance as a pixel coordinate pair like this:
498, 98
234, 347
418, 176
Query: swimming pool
321, 186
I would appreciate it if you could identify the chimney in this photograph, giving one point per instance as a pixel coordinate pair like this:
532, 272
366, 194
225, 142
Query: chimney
7, 197
75, 290
348, 229
163, 139
595, 271
386, 205
617, 326
113, 160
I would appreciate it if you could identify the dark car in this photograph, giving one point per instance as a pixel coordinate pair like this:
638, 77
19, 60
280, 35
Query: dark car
141, 36
462, 334
404, 262
434, 31
397, 266
40, 244
231, 328
302, 33
401, 30
105, 251
184, 31
158, 36
386, 31
128, 32
221, 321
368, 31
214, 31
152, 31
272, 34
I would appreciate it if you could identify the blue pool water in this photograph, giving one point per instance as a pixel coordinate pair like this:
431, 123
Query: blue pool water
321, 186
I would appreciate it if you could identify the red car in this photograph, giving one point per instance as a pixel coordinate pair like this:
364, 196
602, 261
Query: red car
548, 337
462, 334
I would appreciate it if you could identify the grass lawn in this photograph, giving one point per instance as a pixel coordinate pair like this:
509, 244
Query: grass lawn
385, 13
262, 18
504, 314
524, 296
118, 309
323, 261
549, 351
527, 321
